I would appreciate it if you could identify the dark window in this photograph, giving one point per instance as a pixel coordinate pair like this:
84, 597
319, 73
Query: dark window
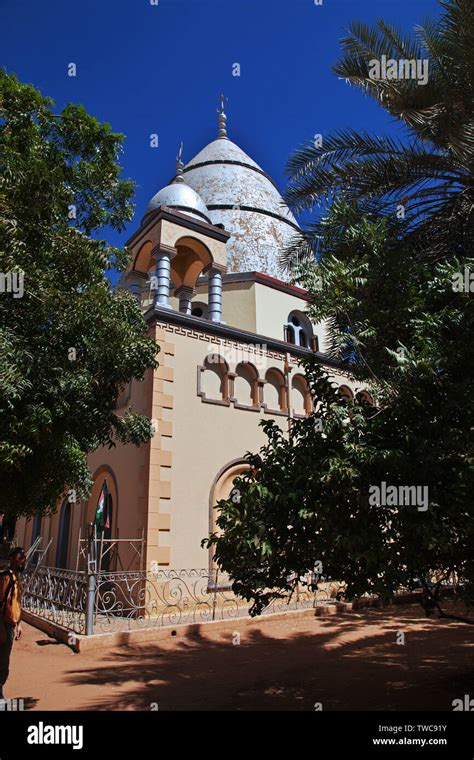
63, 535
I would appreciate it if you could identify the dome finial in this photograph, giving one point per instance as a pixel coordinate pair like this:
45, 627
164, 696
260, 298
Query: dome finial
179, 165
222, 133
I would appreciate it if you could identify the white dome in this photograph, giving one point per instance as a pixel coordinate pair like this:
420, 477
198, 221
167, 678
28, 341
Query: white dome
181, 197
239, 195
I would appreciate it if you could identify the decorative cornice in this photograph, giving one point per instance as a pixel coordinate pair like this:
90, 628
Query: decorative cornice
204, 328
265, 279
214, 265
168, 214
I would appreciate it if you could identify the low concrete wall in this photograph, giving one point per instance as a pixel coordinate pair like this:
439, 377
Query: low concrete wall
79, 643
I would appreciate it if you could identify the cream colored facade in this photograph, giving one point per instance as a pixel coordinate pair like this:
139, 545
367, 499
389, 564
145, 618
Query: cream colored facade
227, 360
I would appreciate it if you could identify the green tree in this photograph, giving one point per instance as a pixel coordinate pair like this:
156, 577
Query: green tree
69, 342
306, 497
384, 285
427, 173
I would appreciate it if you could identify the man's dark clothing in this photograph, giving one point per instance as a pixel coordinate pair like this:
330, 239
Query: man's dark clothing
5, 651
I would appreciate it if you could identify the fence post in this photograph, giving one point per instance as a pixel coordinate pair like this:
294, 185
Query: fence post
90, 604
214, 598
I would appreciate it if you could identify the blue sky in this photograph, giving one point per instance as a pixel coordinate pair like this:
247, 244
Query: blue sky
160, 69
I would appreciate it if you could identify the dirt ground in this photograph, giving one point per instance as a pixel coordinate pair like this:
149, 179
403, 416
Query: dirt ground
349, 662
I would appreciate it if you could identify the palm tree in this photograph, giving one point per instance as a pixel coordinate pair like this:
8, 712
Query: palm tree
430, 169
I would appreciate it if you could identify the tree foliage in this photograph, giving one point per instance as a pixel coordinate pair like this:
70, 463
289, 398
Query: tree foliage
69, 342
383, 285
427, 168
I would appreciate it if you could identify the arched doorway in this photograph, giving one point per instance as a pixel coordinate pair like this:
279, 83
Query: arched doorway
222, 489
101, 517
63, 535
107, 533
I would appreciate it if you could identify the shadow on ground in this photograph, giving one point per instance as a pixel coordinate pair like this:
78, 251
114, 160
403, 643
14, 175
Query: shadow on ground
348, 663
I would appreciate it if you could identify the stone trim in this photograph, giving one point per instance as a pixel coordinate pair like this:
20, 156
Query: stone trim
159, 487
232, 400
200, 392
167, 213
227, 343
264, 279
197, 326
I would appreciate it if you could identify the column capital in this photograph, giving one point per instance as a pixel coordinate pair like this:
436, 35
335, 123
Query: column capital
185, 290
213, 266
164, 250
138, 274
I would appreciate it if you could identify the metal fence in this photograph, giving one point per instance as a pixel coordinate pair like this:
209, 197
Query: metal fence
59, 596
88, 603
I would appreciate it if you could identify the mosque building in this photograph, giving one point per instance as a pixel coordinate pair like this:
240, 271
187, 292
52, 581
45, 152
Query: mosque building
231, 332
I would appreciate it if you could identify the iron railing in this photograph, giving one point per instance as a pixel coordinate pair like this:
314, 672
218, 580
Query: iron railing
90, 603
56, 595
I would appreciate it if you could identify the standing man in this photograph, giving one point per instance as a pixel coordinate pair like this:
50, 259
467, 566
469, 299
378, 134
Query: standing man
10, 610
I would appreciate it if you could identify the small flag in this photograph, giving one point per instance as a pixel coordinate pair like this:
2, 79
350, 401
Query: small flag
107, 512
100, 511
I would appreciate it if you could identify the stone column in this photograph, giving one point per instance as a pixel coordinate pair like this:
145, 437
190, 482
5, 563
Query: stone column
215, 295
162, 276
136, 289
185, 294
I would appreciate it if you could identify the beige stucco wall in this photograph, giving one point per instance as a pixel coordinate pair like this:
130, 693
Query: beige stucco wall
164, 488
272, 309
206, 438
126, 468
238, 303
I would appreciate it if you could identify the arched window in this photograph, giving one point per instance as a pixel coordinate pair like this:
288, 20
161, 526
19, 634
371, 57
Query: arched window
214, 379
346, 394
300, 396
63, 535
36, 530
299, 330
246, 385
222, 488
36, 533
275, 391
364, 398
8, 528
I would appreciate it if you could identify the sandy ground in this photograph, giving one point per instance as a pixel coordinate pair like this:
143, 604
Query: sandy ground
351, 662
